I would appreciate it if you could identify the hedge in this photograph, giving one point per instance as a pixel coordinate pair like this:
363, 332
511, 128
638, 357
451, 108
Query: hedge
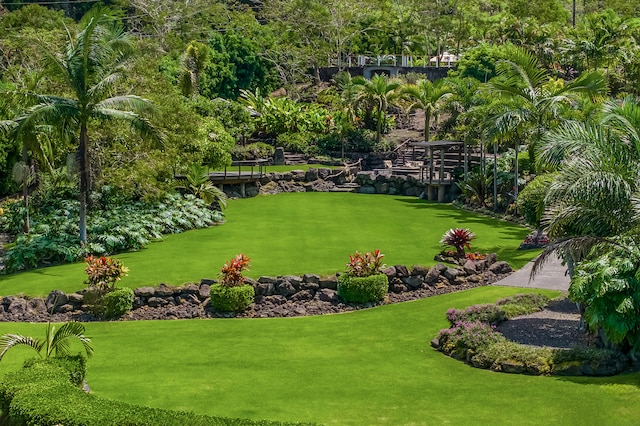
42, 395
362, 289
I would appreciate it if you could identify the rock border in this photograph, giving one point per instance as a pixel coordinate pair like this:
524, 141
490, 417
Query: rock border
280, 296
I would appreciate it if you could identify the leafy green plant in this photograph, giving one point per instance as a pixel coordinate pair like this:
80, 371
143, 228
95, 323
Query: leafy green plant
530, 200
363, 281
199, 185
362, 289
364, 265
231, 272
56, 342
75, 365
116, 303
231, 299
459, 238
232, 294
103, 273
466, 338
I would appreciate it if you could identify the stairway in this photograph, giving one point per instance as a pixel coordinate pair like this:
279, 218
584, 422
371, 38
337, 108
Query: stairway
295, 159
346, 187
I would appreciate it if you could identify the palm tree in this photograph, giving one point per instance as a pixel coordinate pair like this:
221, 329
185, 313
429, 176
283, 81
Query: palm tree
91, 64
56, 342
428, 96
377, 93
533, 99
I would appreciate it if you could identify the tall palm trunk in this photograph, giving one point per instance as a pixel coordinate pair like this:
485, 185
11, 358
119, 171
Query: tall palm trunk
83, 151
427, 125
25, 188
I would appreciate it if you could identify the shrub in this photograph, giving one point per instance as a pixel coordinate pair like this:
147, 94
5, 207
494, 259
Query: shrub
488, 313
75, 365
103, 273
231, 272
42, 394
528, 359
362, 289
363, 265
116, 303
302, 143
464, 339
459, 238
231, 299
253, 151
113, 228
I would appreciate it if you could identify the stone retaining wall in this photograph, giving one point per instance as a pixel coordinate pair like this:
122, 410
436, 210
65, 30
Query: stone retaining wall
270, 290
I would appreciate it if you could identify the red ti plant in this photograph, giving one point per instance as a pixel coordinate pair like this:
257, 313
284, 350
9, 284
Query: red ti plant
231, 272
103, 273
364, 265
459, 238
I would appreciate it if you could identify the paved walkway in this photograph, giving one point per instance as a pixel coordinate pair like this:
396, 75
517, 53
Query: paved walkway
551, 276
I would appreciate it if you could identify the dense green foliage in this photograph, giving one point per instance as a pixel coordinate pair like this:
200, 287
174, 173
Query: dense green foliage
116, 303
354, 289
231, 299
118, 225
42, 393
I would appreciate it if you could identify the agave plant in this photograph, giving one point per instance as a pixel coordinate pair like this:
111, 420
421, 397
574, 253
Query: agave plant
56, 342
460, 238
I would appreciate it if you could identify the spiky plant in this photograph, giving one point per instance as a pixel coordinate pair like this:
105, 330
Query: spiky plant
56, 341
460, 238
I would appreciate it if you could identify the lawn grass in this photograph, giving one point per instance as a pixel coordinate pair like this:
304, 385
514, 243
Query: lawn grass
372, 367
295, 233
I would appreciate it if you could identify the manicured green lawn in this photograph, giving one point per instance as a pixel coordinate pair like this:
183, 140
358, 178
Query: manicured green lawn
295, 234
372, 367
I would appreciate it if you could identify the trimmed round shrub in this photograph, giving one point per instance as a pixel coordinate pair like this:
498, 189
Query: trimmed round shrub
362, 289
231, 299
75, 365
117, 303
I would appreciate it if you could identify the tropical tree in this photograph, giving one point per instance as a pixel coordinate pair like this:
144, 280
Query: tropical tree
593, 210
429, 97
91, 64
56, 342
377, 94
532, 99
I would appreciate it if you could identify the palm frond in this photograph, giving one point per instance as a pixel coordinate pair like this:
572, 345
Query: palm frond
9, 341
70, 330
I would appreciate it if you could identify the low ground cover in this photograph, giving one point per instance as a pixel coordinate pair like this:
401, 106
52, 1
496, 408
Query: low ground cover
295, 233
369, 367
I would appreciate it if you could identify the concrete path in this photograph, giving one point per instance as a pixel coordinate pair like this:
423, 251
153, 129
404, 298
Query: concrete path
551, 276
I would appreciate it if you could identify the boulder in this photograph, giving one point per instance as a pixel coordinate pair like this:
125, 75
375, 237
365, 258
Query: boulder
390, 272
271, 280
156, 302
330, 282
190, 289
432, 276
55, 299
265, 289
311, 174
309, 286
500, 268
17, 307
164, 290
413, 281
419, 270
491, 258
293, 279
144, 291
326, 295
208, 281
311, 278
470, 267
398, 288
278, 156
401, 271
66, 308
286, 289
75, 298
38, 306
452, 273
205, 291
